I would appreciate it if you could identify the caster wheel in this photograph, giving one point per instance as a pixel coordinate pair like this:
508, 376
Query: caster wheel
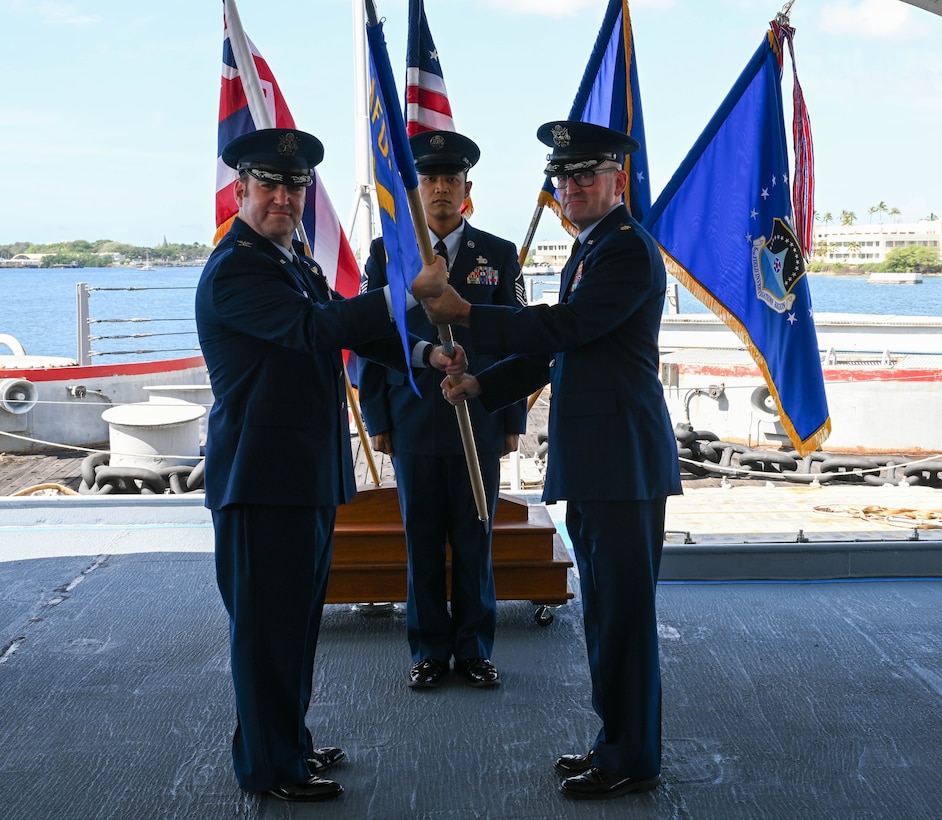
543, 616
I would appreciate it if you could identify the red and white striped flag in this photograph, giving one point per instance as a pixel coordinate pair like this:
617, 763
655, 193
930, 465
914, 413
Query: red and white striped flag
427, 105
328, 243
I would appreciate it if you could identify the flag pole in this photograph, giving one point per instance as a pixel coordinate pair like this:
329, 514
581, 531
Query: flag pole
261, 116
427, 253
531, 232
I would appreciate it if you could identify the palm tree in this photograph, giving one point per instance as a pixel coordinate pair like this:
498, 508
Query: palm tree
872, 210
848, 217
895, 212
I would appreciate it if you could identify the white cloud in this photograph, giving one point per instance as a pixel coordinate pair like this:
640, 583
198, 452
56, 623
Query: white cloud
873, 19
62, 14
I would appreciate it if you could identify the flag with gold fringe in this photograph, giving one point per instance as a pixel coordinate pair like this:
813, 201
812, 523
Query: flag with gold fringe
726, 228
609, 95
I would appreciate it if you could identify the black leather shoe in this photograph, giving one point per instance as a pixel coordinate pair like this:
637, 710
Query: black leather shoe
320, 759
307, 791
427, 674
594, 784
479, 672
574, 764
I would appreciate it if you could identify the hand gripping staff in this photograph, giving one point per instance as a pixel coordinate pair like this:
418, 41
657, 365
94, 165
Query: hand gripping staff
406, 168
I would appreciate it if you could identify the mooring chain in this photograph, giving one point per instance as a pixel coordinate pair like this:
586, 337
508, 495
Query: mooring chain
98, 477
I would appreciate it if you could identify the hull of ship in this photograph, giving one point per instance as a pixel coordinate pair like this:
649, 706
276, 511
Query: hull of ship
70, 400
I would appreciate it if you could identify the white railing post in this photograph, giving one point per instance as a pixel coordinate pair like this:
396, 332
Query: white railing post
83, 345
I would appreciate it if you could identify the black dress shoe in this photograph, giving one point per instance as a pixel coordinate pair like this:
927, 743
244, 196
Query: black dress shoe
307, 791
320, 759
594, 784
574, 764
427, 674
480, 672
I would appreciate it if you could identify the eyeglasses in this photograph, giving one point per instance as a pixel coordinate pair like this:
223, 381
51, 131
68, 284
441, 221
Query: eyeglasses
583, 179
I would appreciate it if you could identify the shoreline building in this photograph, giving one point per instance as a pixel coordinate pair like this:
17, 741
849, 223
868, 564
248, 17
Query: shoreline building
861, 244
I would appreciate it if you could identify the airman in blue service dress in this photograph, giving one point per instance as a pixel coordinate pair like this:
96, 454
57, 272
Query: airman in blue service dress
612, 454
278, 456
422, 433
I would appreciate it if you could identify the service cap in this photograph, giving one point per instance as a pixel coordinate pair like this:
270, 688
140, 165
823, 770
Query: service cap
437, 152
579, 146
284, 156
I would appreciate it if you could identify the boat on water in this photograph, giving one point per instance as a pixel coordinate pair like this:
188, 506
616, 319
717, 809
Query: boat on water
895, 278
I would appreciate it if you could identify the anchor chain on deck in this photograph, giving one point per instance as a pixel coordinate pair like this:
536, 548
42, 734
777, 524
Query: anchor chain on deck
98, 477
701, 453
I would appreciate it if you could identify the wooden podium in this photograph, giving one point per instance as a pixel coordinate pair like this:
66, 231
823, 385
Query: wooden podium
530, 561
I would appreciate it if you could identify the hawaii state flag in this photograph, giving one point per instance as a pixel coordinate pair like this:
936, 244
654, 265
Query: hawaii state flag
328, 244
393, 171
609, 95
725, 226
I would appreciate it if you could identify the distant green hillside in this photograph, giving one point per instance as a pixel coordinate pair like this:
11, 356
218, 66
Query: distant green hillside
104, 253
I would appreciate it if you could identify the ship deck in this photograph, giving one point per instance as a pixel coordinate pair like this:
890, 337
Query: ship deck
801, 638
782, 698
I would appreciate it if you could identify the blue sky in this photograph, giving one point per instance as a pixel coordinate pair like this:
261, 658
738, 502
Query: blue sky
109, 108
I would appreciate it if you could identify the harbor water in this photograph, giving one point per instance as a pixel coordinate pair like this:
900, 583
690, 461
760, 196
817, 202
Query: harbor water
38, 307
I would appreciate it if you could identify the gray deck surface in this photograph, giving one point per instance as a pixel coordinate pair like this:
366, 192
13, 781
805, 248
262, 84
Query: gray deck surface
781, 700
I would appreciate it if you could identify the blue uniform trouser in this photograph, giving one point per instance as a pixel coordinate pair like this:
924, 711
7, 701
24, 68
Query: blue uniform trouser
618, 551
437, 505
272, 565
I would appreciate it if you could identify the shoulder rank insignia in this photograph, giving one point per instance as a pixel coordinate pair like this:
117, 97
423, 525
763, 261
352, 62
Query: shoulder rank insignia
625, 228
245, 243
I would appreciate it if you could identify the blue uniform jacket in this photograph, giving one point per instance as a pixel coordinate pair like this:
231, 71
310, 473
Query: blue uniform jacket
278, 432
485, 271
610, 435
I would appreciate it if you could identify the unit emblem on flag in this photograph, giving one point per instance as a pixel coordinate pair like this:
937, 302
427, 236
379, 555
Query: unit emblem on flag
288, 145
777, 266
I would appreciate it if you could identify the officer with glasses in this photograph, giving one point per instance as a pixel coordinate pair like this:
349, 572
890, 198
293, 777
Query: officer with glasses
612, 453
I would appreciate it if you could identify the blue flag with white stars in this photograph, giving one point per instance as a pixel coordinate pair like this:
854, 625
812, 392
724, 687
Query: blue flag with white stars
724, 223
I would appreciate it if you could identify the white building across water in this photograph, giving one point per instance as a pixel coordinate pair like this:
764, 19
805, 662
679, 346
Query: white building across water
859, 244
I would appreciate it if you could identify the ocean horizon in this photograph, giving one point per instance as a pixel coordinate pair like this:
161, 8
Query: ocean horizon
156, 307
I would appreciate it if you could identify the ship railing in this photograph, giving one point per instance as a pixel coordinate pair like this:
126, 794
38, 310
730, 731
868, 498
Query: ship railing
159, 327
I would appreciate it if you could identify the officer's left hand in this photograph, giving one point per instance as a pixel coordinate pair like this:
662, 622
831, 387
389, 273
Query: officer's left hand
453, 365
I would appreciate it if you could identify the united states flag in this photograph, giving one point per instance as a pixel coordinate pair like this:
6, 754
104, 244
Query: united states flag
329, 246
427, 106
